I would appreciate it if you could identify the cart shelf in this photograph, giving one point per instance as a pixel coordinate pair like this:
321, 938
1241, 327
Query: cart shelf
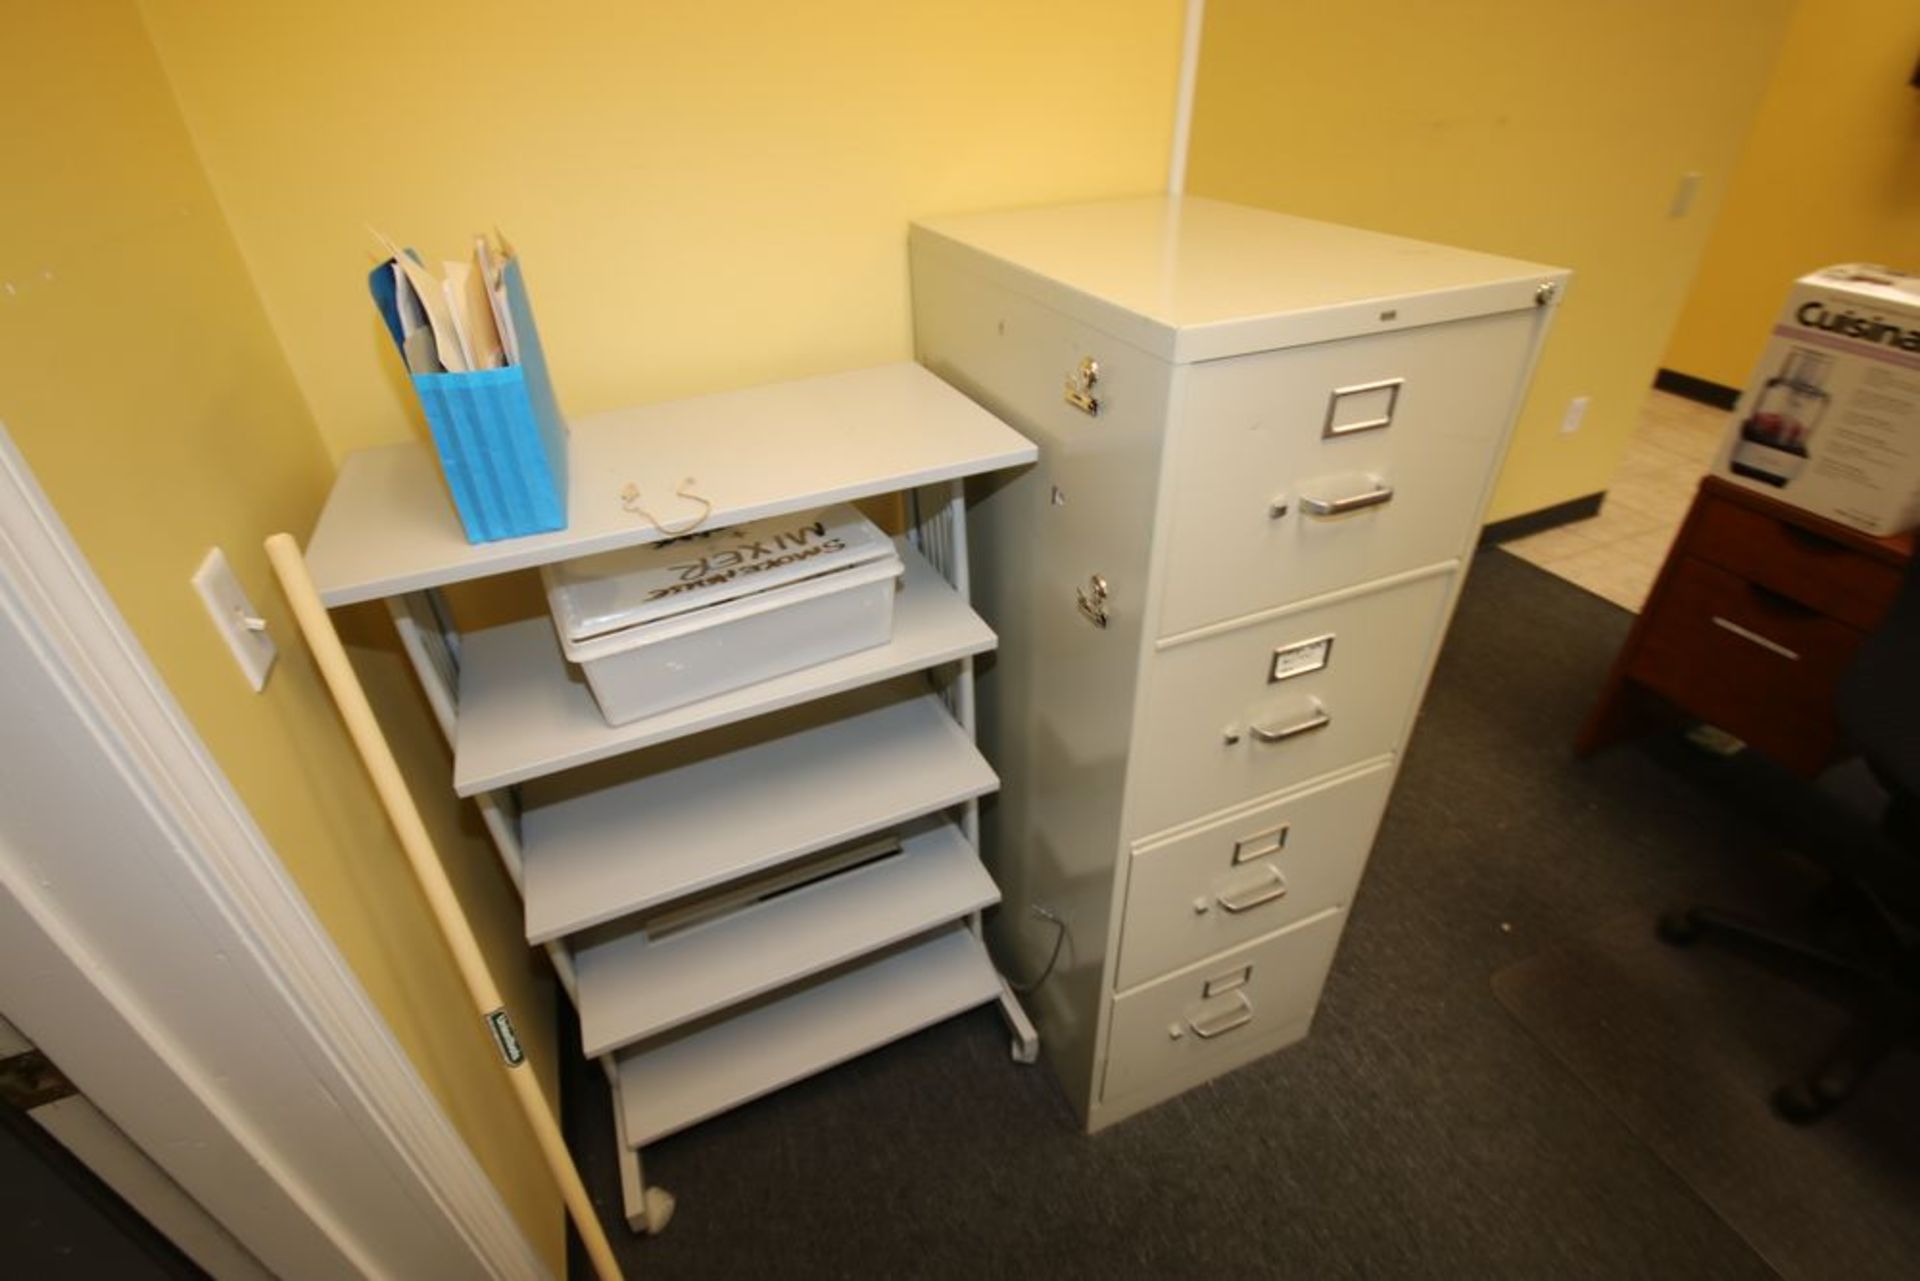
669, 821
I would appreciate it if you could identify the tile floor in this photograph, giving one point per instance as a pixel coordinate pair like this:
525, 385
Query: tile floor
1617, 553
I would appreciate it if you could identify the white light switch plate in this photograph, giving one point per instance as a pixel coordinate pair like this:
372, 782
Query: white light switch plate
227, 601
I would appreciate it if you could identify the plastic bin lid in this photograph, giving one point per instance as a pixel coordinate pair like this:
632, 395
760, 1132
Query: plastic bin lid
613, 591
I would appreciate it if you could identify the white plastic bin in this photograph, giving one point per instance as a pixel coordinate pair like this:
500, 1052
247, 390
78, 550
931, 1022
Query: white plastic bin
671, 623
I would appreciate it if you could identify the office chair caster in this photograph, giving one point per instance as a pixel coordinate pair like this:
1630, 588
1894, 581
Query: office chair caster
1804, 1102
1678, 929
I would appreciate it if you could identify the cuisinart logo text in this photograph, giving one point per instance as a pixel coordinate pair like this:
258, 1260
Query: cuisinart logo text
1849, 324
752, 557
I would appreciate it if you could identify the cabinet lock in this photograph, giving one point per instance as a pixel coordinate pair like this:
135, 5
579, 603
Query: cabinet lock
1079, 392
1092, 600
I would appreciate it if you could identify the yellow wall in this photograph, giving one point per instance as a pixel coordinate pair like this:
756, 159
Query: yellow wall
1831, 174
706, 195
140, 378
1551, 131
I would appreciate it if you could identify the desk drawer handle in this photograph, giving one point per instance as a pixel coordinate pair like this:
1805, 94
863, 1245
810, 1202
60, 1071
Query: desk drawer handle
1280, 734
1239, 1015
1780, 602
1813, 540
1245, 900
1771, 645
1378, 496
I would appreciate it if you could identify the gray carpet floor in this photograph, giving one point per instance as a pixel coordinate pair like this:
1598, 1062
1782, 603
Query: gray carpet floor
1625, 1013
1420, 1131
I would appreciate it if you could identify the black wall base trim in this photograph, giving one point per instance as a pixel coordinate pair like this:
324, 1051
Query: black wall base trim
1707, 393
1502, 531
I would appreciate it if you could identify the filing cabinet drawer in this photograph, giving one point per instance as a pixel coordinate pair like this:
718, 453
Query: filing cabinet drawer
1206, 1012
1203, 891
1399, 425
1216, 728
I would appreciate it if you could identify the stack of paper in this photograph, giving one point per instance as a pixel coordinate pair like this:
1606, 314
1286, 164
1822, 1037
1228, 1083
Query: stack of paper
454, 322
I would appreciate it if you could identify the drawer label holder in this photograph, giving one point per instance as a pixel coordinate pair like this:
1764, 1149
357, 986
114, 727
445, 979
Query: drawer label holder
1300, 658
1262, 843
1363, 407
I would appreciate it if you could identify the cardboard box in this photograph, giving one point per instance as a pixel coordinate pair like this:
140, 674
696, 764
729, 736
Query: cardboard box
1831, 419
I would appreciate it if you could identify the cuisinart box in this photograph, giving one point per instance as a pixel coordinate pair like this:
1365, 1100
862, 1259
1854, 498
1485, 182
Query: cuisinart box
1831, 420
658, 626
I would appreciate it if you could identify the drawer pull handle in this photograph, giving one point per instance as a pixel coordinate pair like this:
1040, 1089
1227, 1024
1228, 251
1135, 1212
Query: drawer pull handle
1281, 733
1813, 540
1781, 602
1378, 496
1239, 1015
1248, 899
1772, 645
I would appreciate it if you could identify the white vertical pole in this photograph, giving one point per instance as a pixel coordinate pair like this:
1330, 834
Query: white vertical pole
1183, 99
959, 573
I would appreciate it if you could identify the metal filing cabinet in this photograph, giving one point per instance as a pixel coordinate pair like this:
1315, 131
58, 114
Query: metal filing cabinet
1266, 445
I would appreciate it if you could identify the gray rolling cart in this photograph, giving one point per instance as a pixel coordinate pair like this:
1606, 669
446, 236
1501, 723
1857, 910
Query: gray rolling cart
746, 889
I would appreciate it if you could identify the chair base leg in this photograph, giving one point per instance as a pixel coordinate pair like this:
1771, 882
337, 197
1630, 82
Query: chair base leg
1690, 925
1894, 1017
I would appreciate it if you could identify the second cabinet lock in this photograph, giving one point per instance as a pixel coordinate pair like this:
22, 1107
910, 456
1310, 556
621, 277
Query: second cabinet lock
1093, 600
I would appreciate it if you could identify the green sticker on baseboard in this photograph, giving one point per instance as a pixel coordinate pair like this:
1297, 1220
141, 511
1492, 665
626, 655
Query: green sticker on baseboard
503, 1036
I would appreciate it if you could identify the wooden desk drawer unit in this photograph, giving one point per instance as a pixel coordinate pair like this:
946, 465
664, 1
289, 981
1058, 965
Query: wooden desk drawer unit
1216, 620
1754, 617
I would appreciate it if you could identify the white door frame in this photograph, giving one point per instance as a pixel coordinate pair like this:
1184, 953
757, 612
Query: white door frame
154, 946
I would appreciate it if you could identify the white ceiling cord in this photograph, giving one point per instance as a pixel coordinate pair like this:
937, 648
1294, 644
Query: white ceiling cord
1183, 101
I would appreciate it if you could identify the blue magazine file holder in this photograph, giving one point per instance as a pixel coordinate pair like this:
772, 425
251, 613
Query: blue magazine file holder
501, 440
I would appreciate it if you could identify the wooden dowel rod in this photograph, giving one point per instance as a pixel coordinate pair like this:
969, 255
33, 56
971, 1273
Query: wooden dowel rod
331, 657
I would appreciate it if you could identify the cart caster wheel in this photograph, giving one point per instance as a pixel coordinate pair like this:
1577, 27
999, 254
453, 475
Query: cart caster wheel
659, 1211
1677, 928
1024, 1051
